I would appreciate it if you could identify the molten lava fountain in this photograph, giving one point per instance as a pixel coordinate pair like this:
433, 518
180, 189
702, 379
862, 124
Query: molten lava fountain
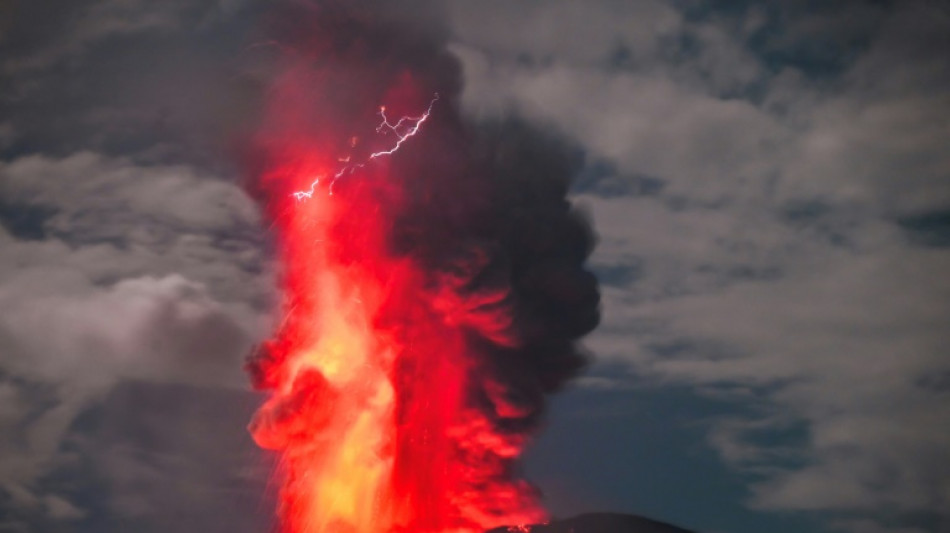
433, 283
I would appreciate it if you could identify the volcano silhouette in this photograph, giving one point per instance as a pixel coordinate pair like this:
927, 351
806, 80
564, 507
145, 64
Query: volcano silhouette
597, 523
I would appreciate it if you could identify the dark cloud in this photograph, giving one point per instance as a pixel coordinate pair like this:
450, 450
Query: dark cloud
160, 82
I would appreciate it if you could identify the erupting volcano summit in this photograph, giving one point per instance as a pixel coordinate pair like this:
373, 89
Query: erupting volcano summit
433, 284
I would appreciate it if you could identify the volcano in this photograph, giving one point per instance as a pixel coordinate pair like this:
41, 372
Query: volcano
434, 283
596, 523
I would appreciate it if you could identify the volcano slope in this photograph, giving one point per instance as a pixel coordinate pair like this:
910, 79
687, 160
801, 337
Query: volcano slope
597, 523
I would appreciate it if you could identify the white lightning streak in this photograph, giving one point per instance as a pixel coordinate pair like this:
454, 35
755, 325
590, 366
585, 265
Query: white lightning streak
402, 132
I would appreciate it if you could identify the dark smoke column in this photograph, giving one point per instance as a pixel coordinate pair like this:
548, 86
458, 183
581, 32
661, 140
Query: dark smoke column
433, 295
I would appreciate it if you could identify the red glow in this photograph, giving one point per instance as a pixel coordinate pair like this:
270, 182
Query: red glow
370, 372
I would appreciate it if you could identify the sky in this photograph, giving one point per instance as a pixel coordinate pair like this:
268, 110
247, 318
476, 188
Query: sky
769, 182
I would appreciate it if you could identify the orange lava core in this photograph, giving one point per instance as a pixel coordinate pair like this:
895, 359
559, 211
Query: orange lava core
367, 376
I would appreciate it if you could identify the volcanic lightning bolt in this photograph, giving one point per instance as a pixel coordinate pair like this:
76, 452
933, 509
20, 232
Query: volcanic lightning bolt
430, 300
400, 129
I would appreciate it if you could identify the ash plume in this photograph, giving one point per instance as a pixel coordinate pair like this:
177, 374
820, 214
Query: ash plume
482, 288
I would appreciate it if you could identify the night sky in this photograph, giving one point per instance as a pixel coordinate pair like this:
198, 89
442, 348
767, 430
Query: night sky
769, 181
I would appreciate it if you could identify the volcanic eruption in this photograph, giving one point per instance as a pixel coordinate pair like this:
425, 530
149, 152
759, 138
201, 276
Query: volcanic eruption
433, 280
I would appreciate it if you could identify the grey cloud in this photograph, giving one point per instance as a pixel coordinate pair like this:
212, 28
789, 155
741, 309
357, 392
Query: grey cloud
109, 219
845, 138
76, 347
7, 134
90, 194
64, 31
842, 344
154, 273
118, 266
664, 129
151, 457
564, 31
151, 327
174, 457
880, 136
170, 81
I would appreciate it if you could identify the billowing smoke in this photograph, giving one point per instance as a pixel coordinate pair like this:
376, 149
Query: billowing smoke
433, 296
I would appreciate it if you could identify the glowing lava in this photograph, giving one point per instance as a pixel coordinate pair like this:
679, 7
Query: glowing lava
433, 282
369, 380
333, 407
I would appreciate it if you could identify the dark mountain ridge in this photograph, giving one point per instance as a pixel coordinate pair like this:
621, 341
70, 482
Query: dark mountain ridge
596, 523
